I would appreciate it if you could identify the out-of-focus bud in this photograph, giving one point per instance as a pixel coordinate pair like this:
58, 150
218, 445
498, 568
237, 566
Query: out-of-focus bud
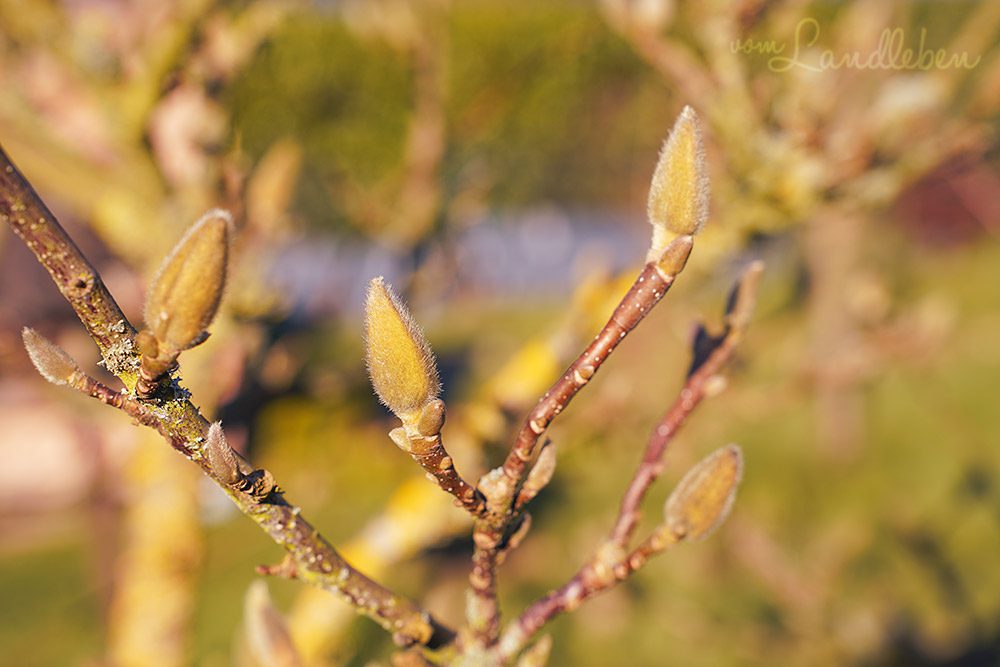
52, 362
400, 362
703, 498
653, 15
679, 192
743, 298
538, 654
186, 292
265, 631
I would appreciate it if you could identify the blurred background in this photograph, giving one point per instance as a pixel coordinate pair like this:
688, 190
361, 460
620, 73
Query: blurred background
491, 159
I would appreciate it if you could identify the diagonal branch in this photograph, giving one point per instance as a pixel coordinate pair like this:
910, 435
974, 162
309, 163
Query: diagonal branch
76, 279
612, 562
605, 570
500, 487
709, 360
185, 429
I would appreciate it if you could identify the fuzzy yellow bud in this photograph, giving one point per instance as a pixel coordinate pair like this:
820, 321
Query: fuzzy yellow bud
52, 362
400, 362
703, 498
185, 294
679, 192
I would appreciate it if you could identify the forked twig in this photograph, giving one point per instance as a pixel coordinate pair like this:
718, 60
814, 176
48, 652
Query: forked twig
183, 426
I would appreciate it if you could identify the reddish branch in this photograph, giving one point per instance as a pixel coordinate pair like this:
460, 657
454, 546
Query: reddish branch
612, 562
422, 441
645, 293
501, 486
691, 395
605, 570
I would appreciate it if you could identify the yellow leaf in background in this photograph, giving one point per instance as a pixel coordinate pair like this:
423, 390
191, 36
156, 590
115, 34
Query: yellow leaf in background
526, 374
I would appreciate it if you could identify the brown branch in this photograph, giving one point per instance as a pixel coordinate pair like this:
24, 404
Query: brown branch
185, 429
612, 563
699, 384
78, 282
422, 441
440, 468
647, 290
608, 568
500, 487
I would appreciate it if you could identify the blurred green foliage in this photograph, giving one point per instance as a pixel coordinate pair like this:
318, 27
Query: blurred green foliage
522, 89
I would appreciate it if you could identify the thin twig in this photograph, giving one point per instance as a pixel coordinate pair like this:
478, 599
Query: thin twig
647, 290
612, 562
184, 428
605, 570
695, 389
501, 486
76, 279
422, 441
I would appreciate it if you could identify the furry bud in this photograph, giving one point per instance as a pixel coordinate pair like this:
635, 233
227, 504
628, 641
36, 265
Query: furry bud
703, 498
185, 294
400, 362
679, 192
51, 361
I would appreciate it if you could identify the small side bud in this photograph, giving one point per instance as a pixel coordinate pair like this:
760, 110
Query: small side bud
431, 418
679, 192
540, 475
51, 361
185, 294
221, 456
675, 256
538, 654
703, 498
401, 439
145, 343
743, 298
400, 362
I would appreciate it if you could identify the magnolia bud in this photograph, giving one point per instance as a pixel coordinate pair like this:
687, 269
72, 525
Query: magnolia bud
679, 192
221, 457
540, 475
51, 361
675, 256
185, 294
400, 362
702, 499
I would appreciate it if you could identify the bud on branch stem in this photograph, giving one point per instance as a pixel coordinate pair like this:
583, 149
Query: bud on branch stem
404, 375
184, 297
